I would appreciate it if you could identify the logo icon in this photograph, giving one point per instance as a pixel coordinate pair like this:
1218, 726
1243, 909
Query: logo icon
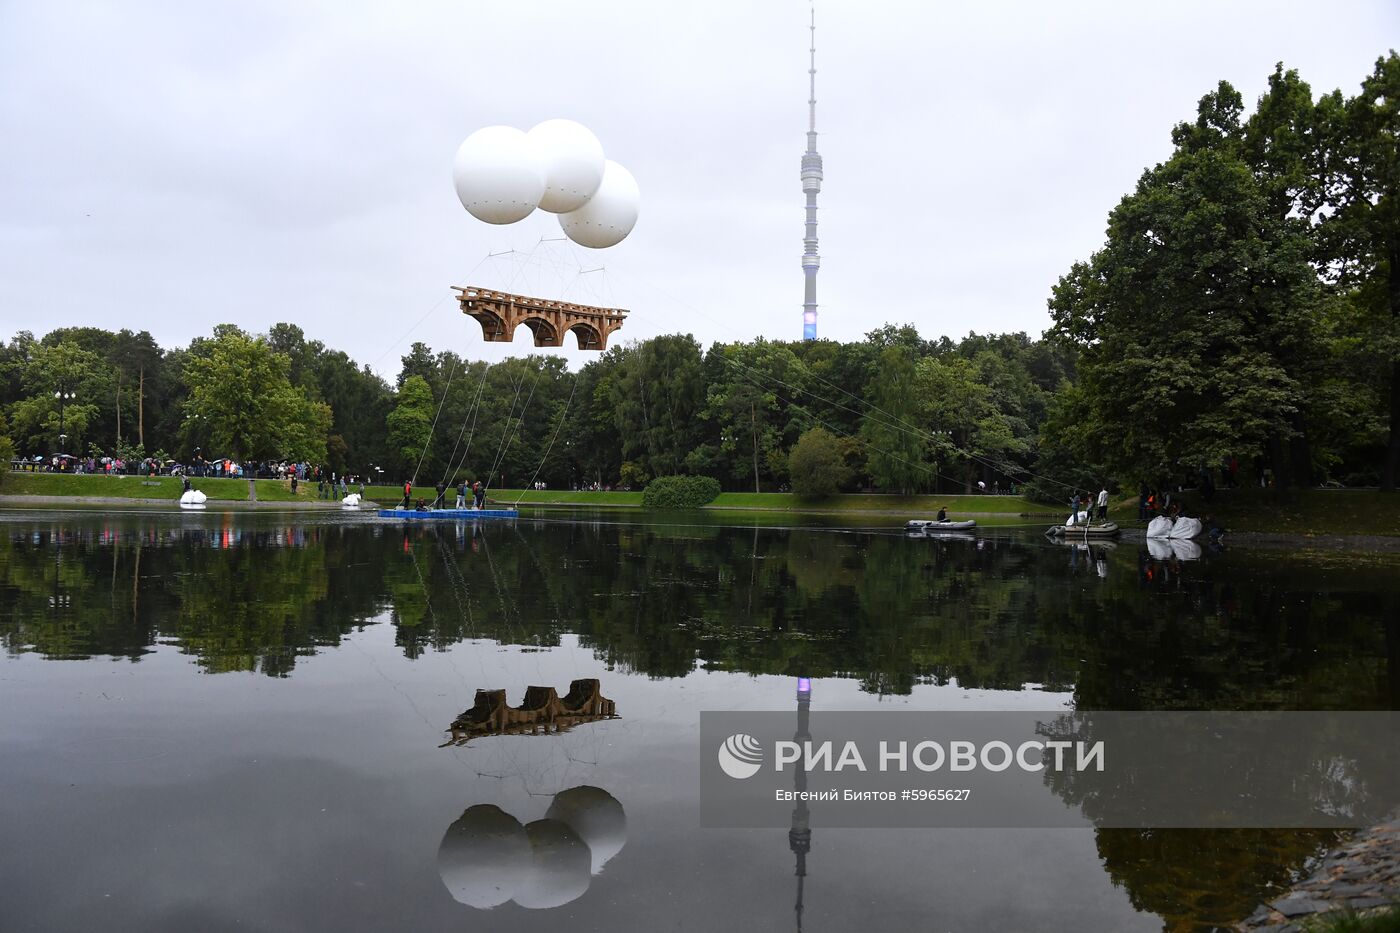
740, 756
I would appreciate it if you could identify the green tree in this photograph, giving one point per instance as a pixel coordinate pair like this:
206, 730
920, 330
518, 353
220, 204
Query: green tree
245, 404
971, 429
896, 443
134, 357
7, 448
410, 424
750, 406
40, 417
817, 465
1193, 321
658, 393
1360, 227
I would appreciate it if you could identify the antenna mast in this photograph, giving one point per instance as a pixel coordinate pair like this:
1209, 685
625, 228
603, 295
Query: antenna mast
811, 186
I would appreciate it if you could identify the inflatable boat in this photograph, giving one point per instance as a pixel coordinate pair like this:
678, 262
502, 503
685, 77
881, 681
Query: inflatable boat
1101, 530
916, 524
192, 499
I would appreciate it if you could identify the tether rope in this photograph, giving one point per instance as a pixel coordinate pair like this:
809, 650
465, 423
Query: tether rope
452, 463
510, 434
505, 433
457, 361
564, 415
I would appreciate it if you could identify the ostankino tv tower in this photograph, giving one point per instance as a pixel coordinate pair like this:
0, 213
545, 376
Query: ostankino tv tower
811, 185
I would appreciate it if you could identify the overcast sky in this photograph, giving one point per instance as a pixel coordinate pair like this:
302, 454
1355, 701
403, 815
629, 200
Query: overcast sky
172, 166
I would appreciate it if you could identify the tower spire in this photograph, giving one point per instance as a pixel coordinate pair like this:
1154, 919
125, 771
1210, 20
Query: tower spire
811, 185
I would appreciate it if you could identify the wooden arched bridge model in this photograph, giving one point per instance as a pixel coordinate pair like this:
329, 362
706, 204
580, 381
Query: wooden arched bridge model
500, 313
544, 712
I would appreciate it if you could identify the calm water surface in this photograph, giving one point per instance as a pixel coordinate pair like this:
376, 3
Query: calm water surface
233, 721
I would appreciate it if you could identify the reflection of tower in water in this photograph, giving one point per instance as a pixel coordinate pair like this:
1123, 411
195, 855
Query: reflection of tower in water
800, 835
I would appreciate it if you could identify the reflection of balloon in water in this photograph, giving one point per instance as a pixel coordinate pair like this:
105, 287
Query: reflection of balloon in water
596, 816
572, 161
559, 862
484, 857
609, 215
498, 175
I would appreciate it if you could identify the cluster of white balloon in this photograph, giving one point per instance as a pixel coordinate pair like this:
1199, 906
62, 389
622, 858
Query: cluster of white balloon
502, 175
487, 857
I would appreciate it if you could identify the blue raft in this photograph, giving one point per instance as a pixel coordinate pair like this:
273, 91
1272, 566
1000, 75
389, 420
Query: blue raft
449, 514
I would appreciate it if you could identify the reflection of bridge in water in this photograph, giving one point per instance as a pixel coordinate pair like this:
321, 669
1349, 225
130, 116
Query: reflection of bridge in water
544, 712
500, 313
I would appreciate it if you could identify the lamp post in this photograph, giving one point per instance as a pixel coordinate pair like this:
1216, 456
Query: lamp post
64, 397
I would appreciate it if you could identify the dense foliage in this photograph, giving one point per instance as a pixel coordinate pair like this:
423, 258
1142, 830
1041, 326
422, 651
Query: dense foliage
680, 492
1247, 302
1244, 309
817, 465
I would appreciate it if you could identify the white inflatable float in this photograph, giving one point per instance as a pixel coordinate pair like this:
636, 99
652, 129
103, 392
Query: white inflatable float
192, 499
351, 501
1183, 529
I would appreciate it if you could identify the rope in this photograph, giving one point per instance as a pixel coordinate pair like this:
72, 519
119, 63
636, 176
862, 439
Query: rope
452, 463
433, 429
803, 409
393, 346
511, 433
506, 433
897, 424
562, 416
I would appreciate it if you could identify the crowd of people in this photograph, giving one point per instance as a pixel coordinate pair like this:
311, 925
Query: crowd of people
330, 484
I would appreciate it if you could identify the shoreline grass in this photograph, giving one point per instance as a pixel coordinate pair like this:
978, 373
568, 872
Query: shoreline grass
1302, 512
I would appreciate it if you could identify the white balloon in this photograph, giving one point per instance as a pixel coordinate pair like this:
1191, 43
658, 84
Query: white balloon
609, 215
484, 857
498, 175
572, 159
559, 866
596, 816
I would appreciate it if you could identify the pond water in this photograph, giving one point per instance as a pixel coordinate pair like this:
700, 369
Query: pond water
218, 721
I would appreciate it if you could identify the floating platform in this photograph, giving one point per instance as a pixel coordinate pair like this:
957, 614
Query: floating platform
444, 515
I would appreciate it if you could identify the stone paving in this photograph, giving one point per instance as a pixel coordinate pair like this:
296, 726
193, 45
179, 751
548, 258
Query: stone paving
1363, 875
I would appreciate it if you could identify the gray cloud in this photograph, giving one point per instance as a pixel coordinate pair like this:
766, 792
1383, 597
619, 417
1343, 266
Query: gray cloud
174, 166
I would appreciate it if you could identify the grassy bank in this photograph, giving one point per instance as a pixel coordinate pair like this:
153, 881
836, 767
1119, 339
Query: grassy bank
751, 501
147, 487
1301, 512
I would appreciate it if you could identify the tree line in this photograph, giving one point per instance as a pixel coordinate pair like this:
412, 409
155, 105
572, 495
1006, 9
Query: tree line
1245, 307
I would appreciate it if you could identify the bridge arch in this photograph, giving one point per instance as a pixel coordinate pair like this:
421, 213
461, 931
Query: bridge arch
546, 335
588, 336
500, 314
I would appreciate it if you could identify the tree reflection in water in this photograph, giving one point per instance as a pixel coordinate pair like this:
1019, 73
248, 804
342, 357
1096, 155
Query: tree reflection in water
1116, 626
